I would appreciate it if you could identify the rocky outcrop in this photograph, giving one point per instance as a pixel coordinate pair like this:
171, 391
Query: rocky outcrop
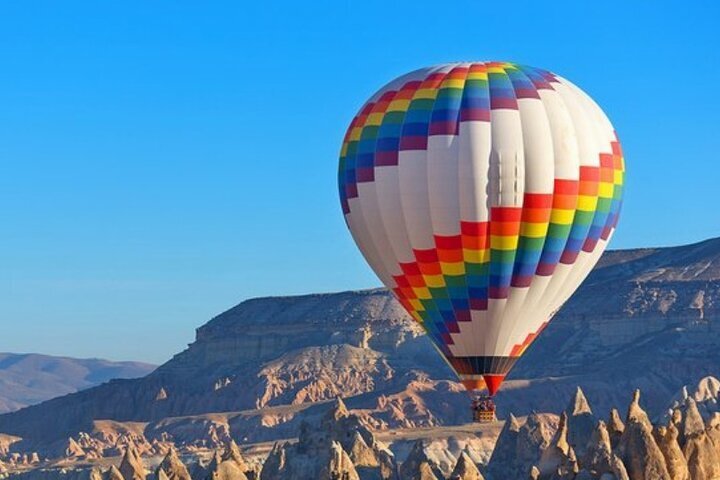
113, 473
638, 450
419, 466
580, 421
519, 447
667, 439
131, 466
172, 467
698, 448
682, 450
465, 469
615, 427
338, 446
230, 464
559, 457
296, 351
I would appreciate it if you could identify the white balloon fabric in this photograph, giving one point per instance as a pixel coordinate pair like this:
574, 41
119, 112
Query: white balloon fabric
482, 194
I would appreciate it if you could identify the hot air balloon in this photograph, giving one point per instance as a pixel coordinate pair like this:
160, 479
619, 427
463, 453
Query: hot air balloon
481, 194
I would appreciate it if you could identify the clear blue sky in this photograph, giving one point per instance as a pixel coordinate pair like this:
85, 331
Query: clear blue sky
162, 161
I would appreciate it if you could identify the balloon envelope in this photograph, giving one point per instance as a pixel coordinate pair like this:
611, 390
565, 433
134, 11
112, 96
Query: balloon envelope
482, 194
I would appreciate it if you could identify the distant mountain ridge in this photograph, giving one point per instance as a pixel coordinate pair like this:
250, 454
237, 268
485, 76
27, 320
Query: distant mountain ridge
29, 378
647, 318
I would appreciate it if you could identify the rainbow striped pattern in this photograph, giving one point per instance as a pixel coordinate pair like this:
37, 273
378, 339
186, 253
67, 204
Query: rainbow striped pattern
462, 273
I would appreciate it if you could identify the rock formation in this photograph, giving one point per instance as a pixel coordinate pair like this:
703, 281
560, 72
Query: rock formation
131, 466
698, 448
298, 351
667, 439
615, 427
580, 421
519, 447
329, 449
113, 473
172, 467
638, 450
465, 469
418, 466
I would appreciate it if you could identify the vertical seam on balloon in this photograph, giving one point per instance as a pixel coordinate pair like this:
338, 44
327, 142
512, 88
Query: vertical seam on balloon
521, 243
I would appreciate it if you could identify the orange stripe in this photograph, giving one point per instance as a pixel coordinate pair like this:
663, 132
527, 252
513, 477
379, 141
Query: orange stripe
430, 268
536, 215
589, 188
450, 256
565, 202
505, 229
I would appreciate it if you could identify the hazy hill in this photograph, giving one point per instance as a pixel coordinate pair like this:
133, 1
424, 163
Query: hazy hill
27, 379
646, 318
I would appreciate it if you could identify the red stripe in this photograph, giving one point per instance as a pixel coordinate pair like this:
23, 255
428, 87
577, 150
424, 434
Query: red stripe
426, 256
568, 187
448, 242
505, 214
589, 173
538, 200
474, 228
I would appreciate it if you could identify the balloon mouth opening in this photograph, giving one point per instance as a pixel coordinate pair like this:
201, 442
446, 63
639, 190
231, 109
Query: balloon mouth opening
489, 382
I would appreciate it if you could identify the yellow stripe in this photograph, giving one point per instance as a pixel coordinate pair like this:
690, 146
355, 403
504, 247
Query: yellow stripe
562, 217
475, 256
477, 76
503, 243
398, 105
496, 70
455, 268
434, 281
417, 305
533, 230
426, 93
453, 83
374, 118
355, 134
605, 190
343, 150
417, 317
587, 203
618, 177
422, 293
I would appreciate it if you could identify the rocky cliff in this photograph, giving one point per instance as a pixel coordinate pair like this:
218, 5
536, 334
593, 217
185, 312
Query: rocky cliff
644, 318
